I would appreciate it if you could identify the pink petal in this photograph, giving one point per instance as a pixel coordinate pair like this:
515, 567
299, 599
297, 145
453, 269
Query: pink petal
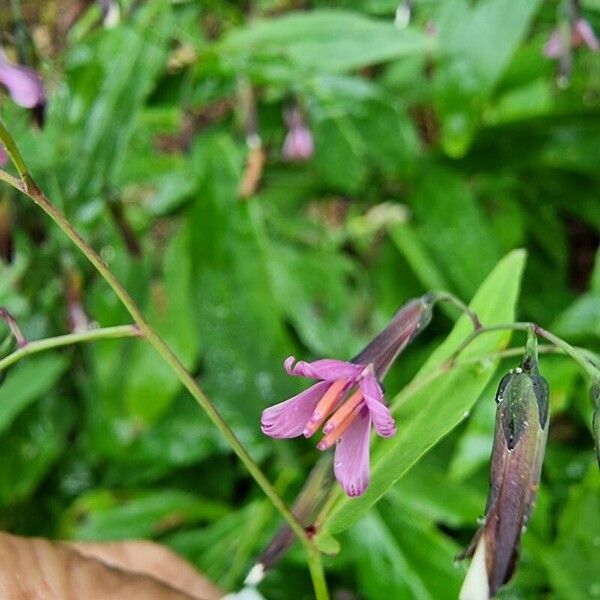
584, 30
298, 144
351, 462
288, 419
382, 418
327, 369
24, 85
554, 47
3, 156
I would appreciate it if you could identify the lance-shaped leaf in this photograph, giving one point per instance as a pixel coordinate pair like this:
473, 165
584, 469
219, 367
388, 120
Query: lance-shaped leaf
517, 455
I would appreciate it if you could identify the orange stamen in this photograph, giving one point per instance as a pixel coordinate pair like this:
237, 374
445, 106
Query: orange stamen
334, 435
324, 407
341, 414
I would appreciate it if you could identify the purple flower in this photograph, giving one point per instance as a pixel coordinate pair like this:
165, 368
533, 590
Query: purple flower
23, 84
298, 144
584, 34
348, 398
559, 42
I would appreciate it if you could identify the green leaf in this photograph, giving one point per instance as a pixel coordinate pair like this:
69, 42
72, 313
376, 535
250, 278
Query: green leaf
26, 382
105, 515
427, 411
321, 40
131, 58
477, 51
451, 223
151, 384
222, 550
32, 445
572, 559
242, 332
402, 555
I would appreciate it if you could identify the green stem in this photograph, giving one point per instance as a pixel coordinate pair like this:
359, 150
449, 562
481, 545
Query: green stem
12, 181
577, 355
30, 188
317, 574
443, 296
13, 153
120, 331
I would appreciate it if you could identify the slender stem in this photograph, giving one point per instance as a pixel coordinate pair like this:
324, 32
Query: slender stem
317, 574
475, 334
30, 188
13, 152
12, 181
120, 331
579, 357
576, 354
443, 296
13, 326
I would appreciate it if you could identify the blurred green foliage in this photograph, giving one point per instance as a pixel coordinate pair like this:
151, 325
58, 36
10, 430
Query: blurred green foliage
439, 148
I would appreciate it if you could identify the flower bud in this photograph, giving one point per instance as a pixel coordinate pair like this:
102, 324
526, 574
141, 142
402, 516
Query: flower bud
519, 442
407, 323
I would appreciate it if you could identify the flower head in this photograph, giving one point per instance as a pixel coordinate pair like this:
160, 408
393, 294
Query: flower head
517, 455
298, 144
348, 398
24, 85
3, 156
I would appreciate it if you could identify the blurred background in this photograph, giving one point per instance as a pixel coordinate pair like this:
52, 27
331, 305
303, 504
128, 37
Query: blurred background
277, 177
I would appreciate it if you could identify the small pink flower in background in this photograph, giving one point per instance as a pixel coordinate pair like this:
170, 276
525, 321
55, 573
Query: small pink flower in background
298, 144
348, 399
3, 156
582, 33
24, 85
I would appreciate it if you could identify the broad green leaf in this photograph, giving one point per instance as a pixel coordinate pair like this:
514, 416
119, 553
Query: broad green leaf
399, 554
572, 560
26, 382
106, 515
321, 40
240, 322
418, 257
151, 384
131, 58
223, 549
32, 445
476, 52
427, 409
451, 223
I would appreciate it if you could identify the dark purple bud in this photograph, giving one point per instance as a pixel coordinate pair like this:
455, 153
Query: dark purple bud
407, 323
517, 456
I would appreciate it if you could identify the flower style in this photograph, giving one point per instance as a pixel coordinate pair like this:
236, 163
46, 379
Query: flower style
298, 144
348, 399
24, 85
